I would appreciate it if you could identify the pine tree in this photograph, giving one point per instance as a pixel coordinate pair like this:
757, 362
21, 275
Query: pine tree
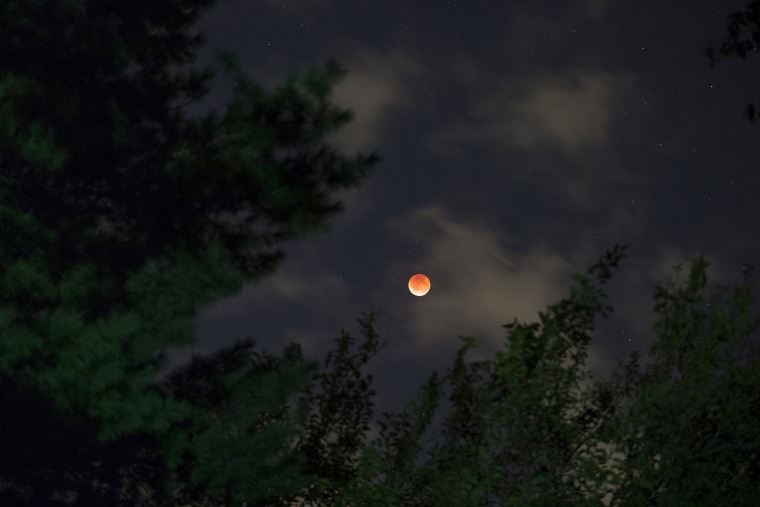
121, 216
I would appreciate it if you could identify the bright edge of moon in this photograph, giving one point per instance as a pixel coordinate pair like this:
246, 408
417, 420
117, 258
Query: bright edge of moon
419, 284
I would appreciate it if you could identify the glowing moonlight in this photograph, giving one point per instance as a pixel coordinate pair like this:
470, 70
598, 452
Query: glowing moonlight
419, 285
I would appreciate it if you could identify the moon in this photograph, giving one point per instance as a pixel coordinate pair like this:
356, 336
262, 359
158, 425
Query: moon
419, 285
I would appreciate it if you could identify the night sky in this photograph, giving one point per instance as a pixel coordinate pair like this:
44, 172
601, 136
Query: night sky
520, 140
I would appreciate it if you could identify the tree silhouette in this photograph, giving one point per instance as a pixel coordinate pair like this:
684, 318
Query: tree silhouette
239, 444
122, 216
532, 427
742, 40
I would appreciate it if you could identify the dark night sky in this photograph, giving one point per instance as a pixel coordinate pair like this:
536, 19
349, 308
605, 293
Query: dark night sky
520, 140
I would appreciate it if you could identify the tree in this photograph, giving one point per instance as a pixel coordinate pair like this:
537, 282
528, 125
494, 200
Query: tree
122, 216
689, 435
521, 430
340, 408
742, 40
239, 444
533, 427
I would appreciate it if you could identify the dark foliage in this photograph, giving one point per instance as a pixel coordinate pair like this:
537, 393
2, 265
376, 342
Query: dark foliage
743, 39
120, 217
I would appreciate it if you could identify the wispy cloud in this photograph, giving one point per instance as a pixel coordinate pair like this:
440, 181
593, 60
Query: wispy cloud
568, 112
302, 287
377, 84
478, 283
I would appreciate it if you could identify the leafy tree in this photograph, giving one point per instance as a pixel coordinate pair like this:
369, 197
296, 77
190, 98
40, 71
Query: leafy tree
689, 435
743, 39
121, 217
230, 451
519, 427
533, 427
340, 410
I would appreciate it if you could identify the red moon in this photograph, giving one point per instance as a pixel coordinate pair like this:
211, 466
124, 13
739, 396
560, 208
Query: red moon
419, 285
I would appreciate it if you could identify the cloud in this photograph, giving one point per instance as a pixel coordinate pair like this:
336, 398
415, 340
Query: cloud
377, 84
294, 282
595, 6
549, 127
566, 112
478, 284
301, 287
569, 112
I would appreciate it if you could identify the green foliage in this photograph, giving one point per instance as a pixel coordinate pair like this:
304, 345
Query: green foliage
238, 444
532, 427
340, 410
516, 427
689, 435
34, 143
121, 217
